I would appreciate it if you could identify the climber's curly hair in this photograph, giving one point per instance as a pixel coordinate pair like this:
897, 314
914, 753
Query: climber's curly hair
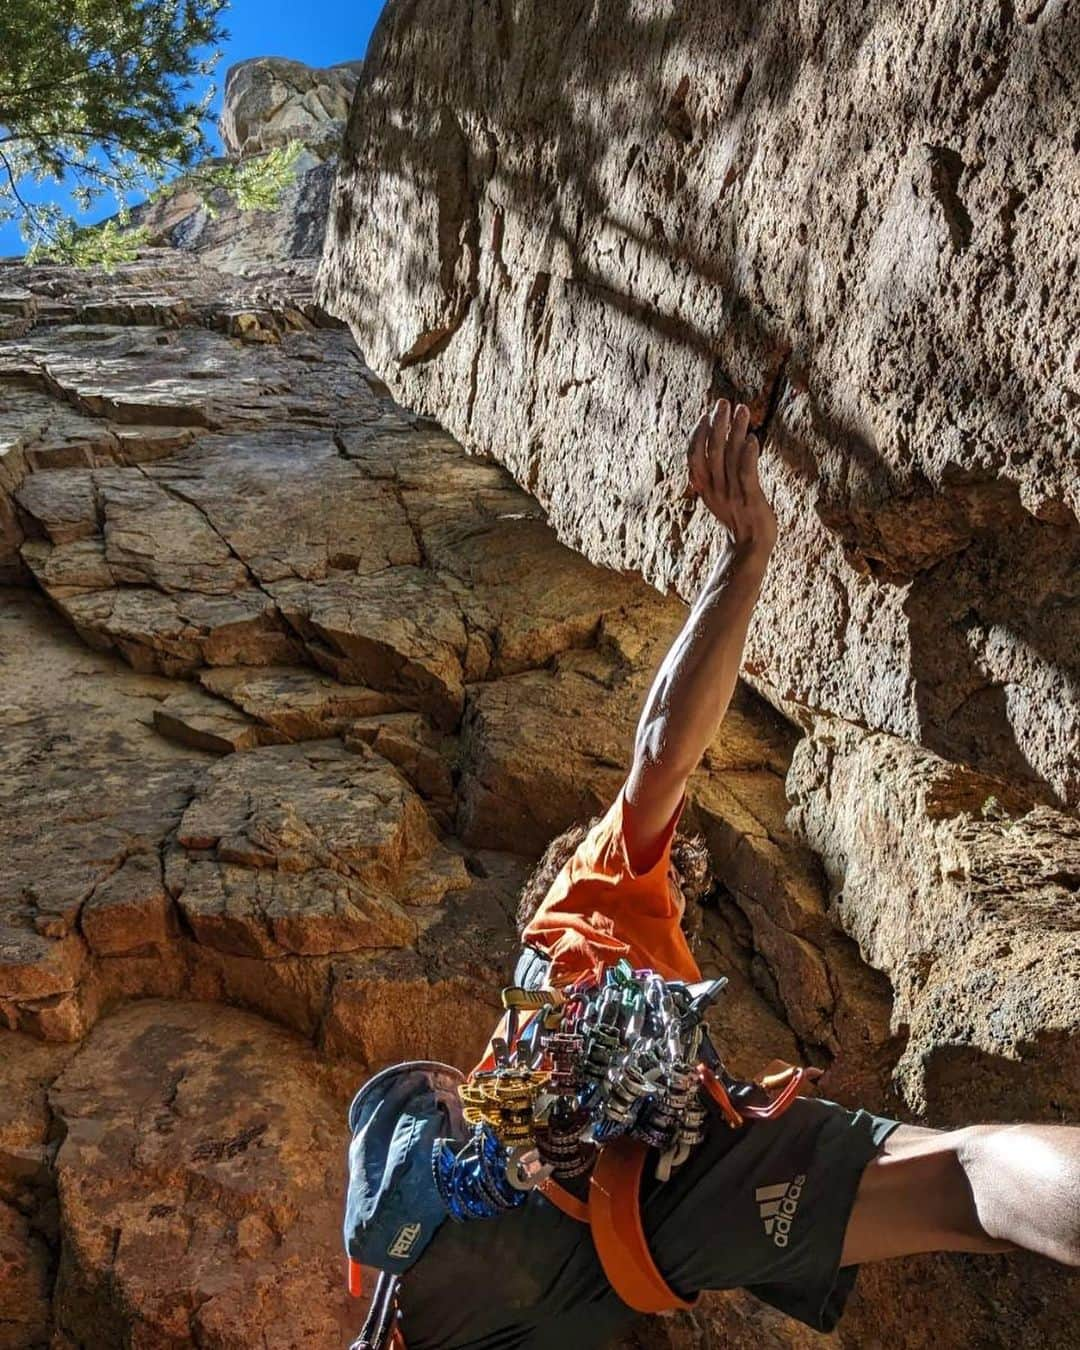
689, 858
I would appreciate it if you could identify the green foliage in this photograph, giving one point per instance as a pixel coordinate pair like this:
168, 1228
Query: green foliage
97, 94
105, 245
254, 184
992, 809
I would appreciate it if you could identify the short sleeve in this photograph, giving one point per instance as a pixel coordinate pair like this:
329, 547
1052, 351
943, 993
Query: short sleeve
599, 910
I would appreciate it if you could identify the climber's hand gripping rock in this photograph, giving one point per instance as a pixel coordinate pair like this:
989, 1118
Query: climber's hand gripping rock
697, 677
723, 464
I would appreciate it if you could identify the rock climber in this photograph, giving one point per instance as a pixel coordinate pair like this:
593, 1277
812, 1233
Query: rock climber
784, 1203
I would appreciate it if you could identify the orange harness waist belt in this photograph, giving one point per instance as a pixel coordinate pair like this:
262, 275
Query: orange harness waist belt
614, 1215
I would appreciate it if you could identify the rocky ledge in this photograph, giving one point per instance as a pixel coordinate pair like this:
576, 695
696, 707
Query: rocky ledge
293, 692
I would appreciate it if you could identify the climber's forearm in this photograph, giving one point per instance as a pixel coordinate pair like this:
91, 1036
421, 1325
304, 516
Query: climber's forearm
697, 677
691, 692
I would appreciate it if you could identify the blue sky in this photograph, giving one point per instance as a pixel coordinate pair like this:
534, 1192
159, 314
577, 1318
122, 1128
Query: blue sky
320, 32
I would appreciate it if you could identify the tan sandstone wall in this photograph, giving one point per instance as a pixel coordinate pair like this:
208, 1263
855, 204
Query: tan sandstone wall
292, 694
561, 227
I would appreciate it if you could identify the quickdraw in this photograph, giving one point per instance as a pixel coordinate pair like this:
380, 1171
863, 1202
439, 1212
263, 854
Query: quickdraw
576, 1069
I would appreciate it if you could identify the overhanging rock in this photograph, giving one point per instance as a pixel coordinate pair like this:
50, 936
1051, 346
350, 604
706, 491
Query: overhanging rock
561, 229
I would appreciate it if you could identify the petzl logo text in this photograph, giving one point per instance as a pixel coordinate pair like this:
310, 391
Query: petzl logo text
405, 1240
777, 1206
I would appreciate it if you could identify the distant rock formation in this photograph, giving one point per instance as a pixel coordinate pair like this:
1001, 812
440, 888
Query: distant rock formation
269, 101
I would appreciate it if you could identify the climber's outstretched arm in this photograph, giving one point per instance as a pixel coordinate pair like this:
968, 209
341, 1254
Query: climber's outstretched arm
696, 679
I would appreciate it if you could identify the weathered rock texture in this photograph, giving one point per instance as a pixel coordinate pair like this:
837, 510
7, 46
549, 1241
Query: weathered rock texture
965, 895
199, 1179
560, 229
269, 102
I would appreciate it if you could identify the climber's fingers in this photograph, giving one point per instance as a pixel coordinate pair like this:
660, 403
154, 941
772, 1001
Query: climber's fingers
735, 453
696, 456
718, 434
723, 468
749, 483
722, 459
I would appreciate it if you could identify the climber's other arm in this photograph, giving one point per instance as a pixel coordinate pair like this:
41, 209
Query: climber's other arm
696, 679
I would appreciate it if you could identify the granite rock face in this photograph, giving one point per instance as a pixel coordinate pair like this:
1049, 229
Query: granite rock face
561, 231
331, 579
271, 101
247, 242
976, 923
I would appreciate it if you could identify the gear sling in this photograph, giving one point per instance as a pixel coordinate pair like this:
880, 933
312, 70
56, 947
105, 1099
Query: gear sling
613, 1210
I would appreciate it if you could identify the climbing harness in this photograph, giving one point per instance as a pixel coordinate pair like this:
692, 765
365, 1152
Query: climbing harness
589, 1080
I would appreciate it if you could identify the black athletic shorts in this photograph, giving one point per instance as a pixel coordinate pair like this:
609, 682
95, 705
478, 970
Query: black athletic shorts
763, 1208
768, 1212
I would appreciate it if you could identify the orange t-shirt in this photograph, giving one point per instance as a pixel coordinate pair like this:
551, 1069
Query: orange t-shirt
599, 909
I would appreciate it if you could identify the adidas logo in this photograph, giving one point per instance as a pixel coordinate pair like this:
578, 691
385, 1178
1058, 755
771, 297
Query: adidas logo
405, 1240
777, 1205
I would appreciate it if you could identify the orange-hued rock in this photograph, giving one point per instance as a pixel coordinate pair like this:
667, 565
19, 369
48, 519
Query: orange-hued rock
25, 1283
308, 849
200, 1184
132, 865
28, 1220
88, 793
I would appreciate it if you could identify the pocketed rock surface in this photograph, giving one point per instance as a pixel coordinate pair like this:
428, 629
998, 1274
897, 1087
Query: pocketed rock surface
562, 231
293, 693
